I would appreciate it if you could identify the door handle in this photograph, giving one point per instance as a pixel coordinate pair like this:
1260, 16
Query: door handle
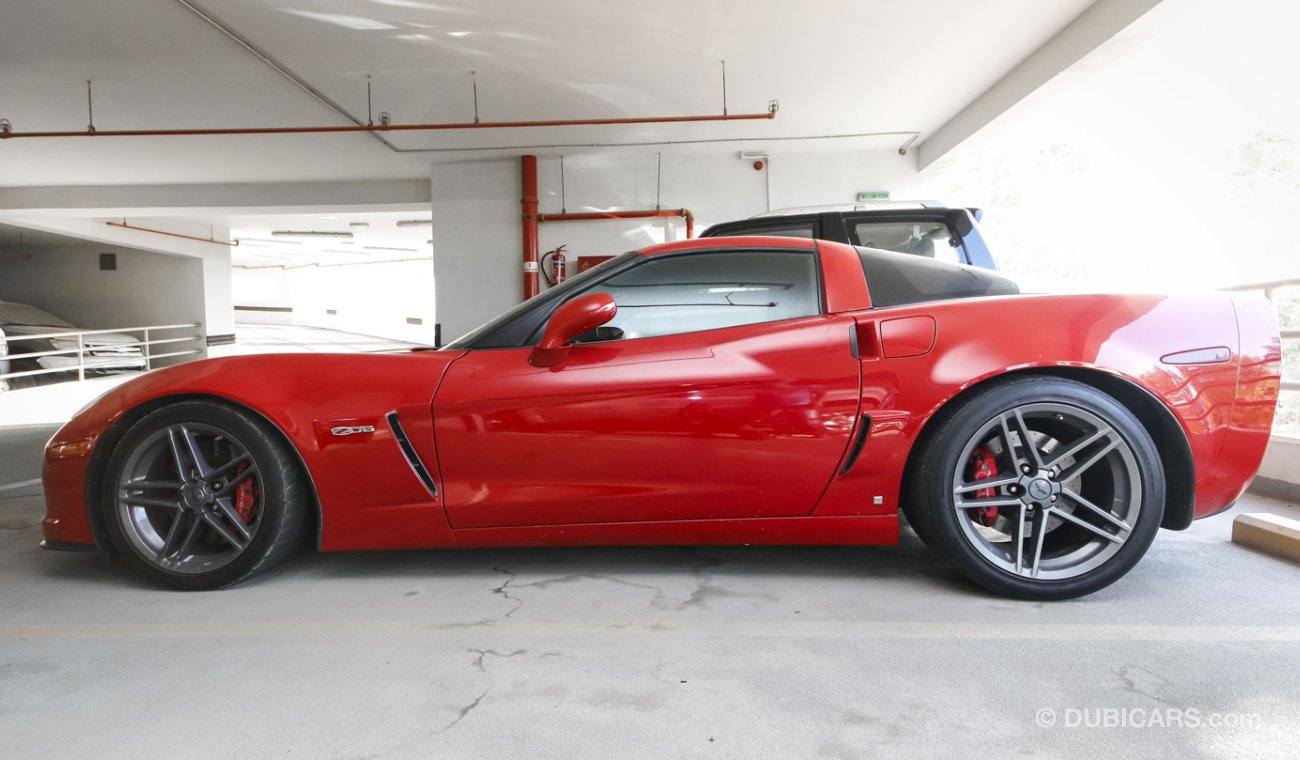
865, 342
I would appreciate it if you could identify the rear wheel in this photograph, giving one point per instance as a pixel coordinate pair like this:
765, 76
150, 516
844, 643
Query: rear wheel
200, 495
1039, 488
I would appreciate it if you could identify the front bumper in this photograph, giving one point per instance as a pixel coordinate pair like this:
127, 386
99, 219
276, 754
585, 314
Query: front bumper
66, 519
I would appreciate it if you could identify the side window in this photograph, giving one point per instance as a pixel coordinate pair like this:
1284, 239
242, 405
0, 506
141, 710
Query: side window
932, 240
707, 291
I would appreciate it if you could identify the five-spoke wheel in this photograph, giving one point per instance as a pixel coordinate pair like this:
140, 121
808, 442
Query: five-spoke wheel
1039, 487
189, 497
201, 495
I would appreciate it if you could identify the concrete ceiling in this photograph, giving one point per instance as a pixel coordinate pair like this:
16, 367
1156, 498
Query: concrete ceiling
837, 67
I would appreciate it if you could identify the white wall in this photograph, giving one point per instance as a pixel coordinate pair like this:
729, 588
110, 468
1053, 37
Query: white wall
370, 299
94, 234
218, 314
476, 244
145, 289
1279, 473
476, 209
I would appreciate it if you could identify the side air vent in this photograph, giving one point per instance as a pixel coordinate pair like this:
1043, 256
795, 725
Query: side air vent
412, 458
859, 440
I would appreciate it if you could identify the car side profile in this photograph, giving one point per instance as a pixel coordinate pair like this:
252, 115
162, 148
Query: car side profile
748, 390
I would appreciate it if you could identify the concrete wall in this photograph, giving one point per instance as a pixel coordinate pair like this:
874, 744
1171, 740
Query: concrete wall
145, 289
1279, 474
93, 235
218, 316
476, 245
476, 226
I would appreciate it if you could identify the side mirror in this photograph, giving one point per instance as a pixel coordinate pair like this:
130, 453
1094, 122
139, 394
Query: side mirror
568, 322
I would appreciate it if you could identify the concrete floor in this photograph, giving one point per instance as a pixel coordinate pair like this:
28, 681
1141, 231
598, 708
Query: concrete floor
730, 652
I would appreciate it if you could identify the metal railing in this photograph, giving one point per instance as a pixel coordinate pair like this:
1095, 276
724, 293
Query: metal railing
105, 359
1270, 289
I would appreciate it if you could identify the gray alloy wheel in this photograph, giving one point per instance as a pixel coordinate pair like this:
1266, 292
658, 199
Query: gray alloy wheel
1068, 502
200, 495
1037, 487
190, 498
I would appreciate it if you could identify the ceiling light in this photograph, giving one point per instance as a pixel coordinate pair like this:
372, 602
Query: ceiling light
459, 34
415, 223
244, 240
386, 248
325, 216
343, 250
310, 233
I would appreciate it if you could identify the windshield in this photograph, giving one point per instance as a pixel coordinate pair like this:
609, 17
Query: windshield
546, 300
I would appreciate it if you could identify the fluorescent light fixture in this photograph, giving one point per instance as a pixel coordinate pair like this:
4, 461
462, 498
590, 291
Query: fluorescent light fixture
325, 216
353, 252
415, 223
386, 248
244, 240
459, 34
310, 233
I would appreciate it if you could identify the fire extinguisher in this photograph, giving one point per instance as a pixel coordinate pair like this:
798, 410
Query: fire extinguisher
559, 266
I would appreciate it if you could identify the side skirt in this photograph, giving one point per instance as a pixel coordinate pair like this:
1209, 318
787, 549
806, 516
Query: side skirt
837, 530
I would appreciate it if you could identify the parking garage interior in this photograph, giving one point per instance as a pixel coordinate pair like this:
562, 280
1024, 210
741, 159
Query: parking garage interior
183, 180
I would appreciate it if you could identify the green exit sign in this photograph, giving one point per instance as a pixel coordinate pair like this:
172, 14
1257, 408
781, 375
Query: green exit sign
879, 195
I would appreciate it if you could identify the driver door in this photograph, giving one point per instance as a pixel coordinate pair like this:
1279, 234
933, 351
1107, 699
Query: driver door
729, 395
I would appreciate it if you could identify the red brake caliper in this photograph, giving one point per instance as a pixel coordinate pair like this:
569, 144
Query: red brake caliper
244, 495
985, 467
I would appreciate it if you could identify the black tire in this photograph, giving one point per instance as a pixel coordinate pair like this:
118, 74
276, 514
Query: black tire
266, 473
940, 496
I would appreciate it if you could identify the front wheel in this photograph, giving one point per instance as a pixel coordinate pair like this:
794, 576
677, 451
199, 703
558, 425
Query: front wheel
1039, 488
199, 495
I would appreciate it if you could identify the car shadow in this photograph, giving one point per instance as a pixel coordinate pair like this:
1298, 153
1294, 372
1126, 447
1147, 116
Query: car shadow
909, 559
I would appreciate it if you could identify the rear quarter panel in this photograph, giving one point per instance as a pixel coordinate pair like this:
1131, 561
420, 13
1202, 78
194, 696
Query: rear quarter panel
1121, 335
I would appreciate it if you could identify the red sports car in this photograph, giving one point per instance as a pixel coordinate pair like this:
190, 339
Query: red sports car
716, 391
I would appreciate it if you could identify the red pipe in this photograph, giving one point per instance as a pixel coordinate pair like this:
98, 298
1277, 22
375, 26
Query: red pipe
594, 215
770, 114
124, 225
528, 199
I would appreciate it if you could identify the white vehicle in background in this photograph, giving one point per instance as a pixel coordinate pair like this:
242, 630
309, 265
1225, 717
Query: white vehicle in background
103, 352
